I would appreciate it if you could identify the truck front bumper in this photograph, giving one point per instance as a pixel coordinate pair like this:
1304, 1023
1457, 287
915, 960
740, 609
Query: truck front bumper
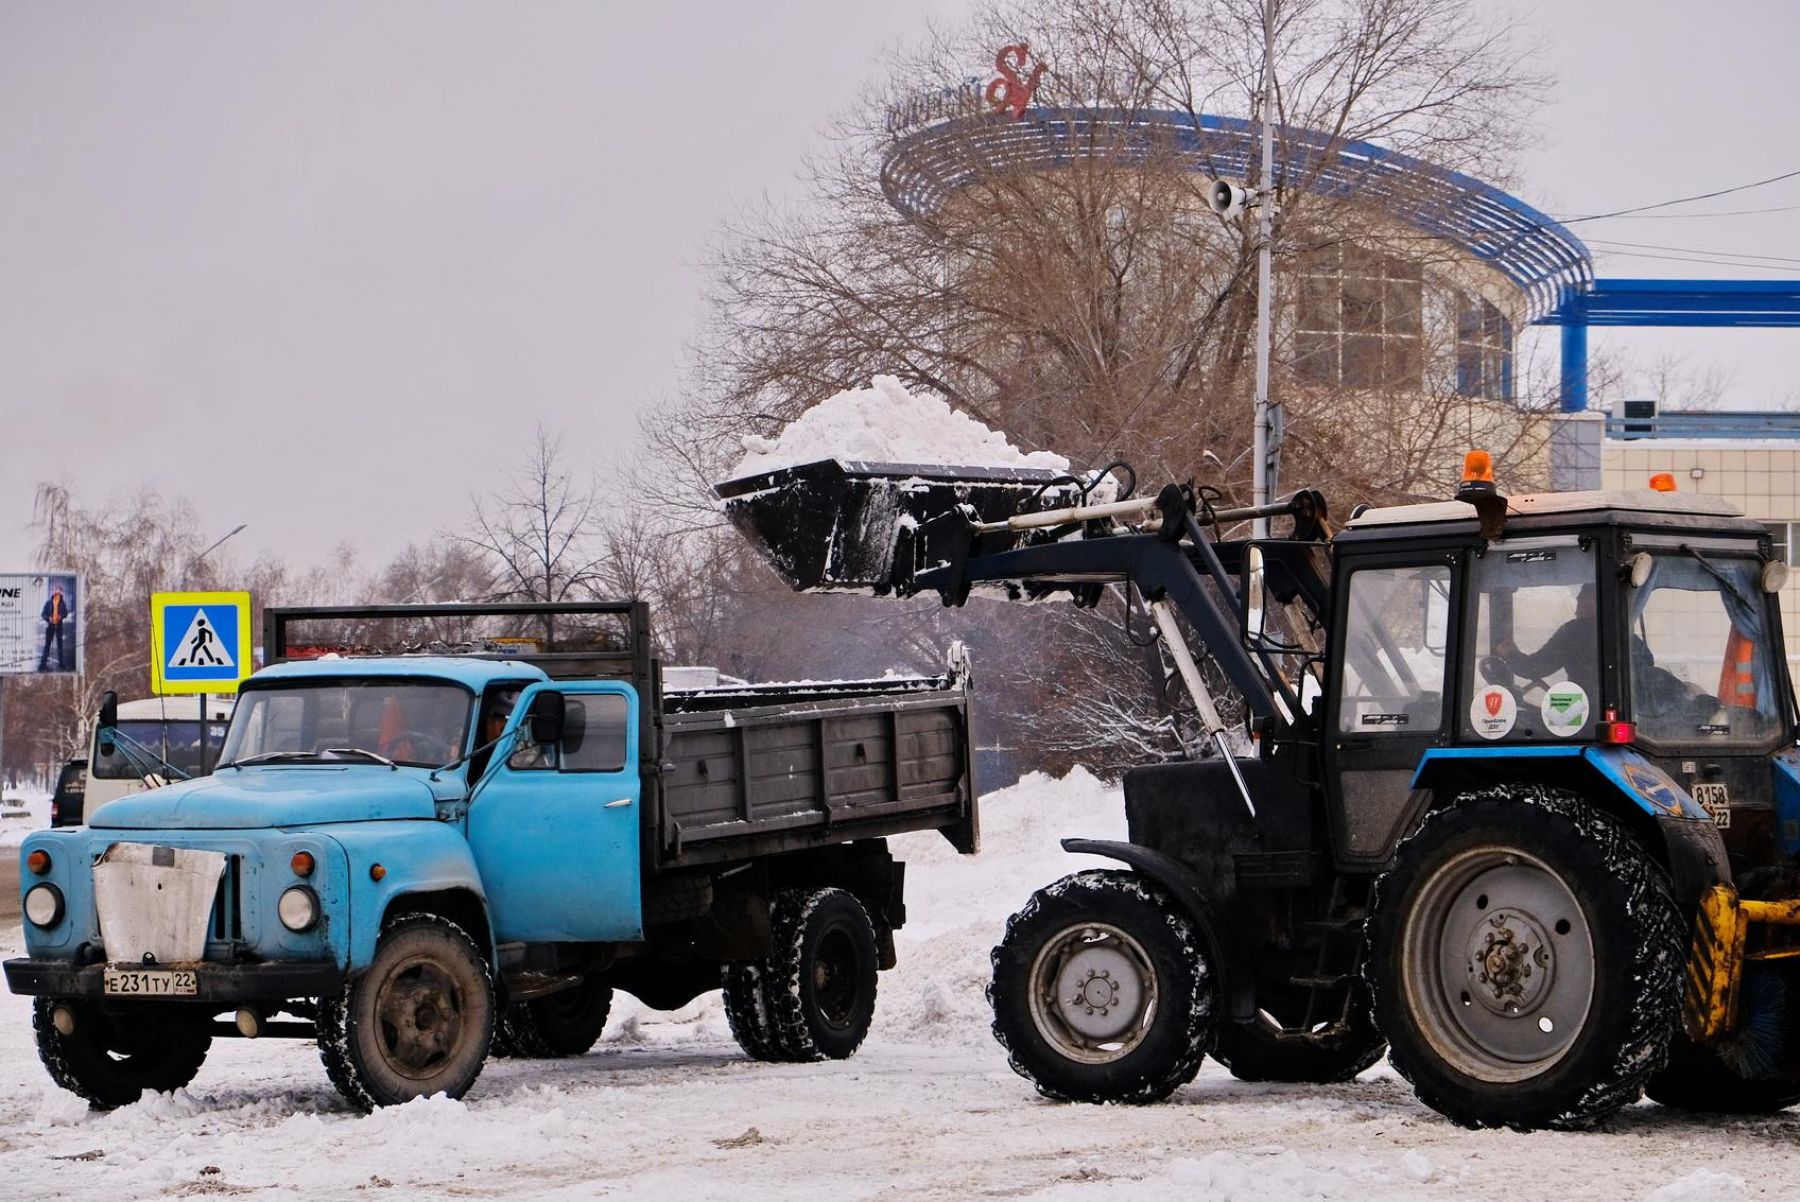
224, 984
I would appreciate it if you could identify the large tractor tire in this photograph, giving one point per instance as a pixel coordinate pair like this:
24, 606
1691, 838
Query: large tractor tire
111, 1062
416, 1022
1526, 960
565, 1023
813, 998
1101, 992
1254, 1051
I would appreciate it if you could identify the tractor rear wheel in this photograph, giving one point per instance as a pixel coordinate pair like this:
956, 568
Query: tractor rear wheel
1526, 958
1101, 992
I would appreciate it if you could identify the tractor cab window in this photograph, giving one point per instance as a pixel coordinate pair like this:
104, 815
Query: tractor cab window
1702, 669
1394, 650
1534, 645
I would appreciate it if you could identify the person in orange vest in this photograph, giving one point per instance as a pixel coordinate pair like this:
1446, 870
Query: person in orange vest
56, 614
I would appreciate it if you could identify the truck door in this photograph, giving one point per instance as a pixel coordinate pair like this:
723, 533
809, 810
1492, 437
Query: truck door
1394, 628
555, 828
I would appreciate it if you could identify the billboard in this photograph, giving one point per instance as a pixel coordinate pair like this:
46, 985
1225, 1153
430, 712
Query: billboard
41, 623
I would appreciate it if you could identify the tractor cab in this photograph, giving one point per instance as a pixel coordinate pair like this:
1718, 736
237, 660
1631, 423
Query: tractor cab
1643, 620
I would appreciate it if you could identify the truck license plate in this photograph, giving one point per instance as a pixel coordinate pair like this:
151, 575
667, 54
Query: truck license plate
1712, 795
143, 982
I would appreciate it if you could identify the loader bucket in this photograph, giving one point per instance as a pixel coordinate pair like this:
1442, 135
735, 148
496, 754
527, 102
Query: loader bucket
834, 526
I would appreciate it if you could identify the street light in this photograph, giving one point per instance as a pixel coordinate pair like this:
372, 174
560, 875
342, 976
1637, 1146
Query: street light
235, 530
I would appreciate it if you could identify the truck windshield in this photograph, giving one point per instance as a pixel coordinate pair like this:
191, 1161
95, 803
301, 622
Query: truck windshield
412, 722
152, 744
1702, 663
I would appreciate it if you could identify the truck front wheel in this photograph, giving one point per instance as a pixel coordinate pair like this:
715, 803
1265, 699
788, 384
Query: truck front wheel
111, 1062
1526, 959
1101, 991
416, 1022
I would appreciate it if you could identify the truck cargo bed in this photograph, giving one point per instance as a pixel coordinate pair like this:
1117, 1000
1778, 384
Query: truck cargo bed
761, 770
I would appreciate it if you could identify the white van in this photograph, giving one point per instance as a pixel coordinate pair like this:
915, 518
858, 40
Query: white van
155, 734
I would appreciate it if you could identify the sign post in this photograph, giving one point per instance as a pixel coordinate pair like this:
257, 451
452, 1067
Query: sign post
199, 643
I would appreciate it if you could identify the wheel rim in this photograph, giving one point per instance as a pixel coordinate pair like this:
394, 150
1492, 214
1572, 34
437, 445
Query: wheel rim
1498, 964
836, 977
1093, 992
419, 1018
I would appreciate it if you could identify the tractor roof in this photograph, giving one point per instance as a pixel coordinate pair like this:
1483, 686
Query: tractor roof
1615, 506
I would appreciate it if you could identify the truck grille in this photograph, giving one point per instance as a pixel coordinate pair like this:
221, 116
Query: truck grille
227, 923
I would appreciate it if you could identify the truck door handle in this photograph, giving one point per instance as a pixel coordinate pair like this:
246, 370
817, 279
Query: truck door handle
1355, 743
613, 805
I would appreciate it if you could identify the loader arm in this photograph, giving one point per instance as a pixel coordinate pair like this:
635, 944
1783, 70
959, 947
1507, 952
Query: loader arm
1157, 567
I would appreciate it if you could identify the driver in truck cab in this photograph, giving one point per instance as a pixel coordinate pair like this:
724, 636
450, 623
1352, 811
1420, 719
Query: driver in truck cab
1566, 645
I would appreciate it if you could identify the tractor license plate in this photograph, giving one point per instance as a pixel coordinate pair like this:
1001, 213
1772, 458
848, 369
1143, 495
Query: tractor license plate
1717, 802
143, 982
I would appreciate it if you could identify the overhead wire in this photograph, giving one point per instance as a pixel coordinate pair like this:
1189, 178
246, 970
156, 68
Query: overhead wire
1681, 200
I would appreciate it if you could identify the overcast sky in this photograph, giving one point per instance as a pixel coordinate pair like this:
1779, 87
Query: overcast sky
321, 267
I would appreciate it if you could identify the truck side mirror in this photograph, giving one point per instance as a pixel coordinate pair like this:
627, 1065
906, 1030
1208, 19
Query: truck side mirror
1255, 595
109, 709
546, 719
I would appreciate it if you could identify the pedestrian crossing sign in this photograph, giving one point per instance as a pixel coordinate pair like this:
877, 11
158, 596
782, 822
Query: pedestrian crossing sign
199, 642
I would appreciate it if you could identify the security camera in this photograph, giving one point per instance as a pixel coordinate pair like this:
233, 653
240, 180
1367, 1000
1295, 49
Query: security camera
1228, 199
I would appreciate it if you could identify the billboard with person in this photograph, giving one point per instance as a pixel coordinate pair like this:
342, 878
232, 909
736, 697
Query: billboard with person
41, 623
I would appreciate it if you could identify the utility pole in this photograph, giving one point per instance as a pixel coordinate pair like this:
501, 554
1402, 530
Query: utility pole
1267, 445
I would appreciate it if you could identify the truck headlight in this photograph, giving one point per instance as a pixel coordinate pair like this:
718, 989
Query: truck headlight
299, 909
44, 905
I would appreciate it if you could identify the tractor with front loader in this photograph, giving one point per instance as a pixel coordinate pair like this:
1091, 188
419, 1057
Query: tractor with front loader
1519, 801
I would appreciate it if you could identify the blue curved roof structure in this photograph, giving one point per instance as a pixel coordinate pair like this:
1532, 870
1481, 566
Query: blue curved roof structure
1543, 259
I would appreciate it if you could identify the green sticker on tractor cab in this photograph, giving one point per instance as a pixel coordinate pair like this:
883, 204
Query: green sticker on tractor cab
1565, 709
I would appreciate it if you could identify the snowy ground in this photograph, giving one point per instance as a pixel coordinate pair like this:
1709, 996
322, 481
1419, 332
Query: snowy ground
666, 1107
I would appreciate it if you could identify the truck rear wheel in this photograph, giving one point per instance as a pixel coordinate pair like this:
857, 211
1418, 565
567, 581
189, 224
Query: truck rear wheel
565, 1023
416, 1022
1526, 958
1101, 992
1254, 1051
747, 1011
819, 981
111, 1062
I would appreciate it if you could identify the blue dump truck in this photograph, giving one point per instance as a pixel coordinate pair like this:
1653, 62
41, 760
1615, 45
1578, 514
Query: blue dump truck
439, 833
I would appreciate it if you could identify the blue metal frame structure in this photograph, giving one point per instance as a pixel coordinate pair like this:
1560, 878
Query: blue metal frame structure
1546, 262
1550, 266
1707, 304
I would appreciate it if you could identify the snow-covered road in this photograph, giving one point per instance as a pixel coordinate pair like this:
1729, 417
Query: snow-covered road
667, 1108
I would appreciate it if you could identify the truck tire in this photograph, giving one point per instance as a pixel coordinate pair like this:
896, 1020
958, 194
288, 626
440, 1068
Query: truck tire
1526, 960
565, 1023
747, 1011
819, 980
417, 1021
1252, 1051
112, 1063
1101, 992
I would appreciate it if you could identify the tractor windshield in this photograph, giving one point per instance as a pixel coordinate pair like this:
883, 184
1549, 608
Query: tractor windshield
1702, 662
407, 721
1534, 642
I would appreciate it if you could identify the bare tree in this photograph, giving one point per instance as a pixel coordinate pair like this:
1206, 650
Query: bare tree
1103, 311
540, 532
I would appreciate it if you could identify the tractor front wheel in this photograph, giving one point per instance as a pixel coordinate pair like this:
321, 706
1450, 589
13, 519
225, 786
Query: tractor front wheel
1101, 991
1525, 956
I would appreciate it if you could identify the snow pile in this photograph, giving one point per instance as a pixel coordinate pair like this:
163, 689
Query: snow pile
885, 423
